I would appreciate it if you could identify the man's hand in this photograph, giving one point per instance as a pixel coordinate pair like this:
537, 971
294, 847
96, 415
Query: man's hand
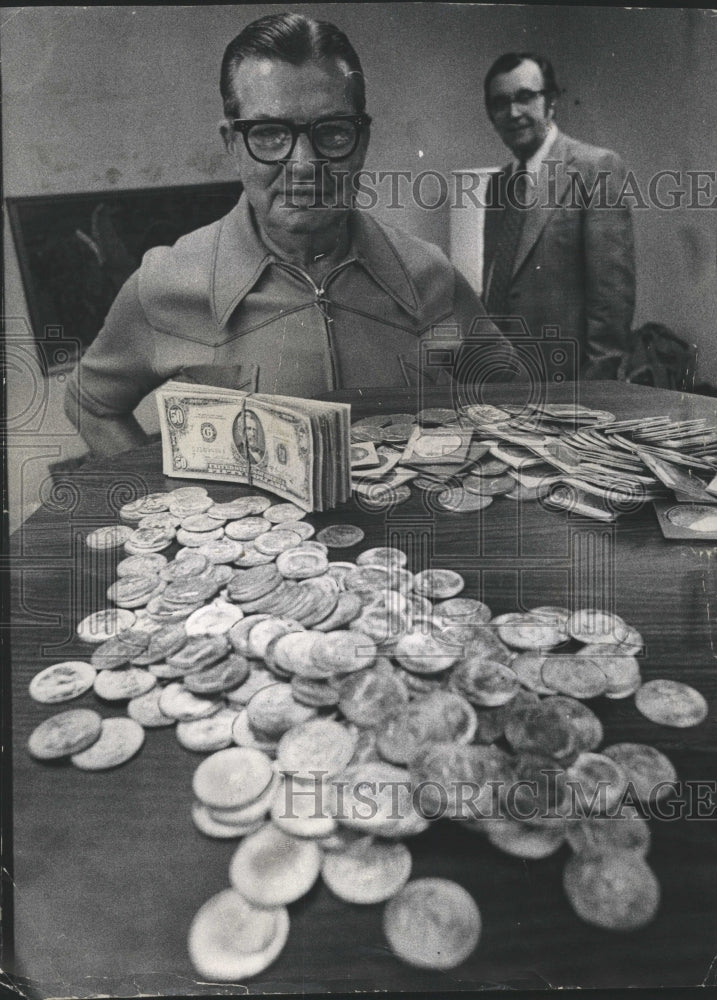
106, 436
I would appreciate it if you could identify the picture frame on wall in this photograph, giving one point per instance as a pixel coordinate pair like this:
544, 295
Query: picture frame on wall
75, 252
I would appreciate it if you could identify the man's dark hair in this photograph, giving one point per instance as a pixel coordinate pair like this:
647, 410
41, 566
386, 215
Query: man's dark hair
295, 39
510, 61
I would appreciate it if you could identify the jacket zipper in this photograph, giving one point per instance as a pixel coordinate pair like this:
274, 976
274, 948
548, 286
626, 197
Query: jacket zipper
322, 303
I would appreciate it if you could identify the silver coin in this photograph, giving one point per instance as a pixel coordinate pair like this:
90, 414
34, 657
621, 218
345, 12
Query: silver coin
62, 681
459, 502
110, 537
284, 512
341, 536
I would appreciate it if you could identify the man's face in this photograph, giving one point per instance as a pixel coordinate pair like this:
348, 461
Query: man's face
521, 127
252, 434
289, 196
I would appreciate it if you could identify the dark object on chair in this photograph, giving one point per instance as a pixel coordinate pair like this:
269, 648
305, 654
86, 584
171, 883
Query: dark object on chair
75, 252
658, 357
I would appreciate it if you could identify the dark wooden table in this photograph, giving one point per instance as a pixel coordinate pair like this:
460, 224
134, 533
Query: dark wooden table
109, 870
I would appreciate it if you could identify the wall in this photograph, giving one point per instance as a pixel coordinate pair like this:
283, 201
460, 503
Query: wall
121, 97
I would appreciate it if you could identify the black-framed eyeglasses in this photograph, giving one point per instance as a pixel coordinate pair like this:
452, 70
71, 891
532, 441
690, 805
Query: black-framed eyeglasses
272, 140
522, 99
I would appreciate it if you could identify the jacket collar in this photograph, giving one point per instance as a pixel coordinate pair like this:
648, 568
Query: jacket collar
240, 258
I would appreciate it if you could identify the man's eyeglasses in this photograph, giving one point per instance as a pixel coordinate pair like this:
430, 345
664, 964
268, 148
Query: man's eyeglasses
272, 140
522, 99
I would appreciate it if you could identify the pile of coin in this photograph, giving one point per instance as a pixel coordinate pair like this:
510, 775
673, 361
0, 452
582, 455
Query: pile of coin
309, 681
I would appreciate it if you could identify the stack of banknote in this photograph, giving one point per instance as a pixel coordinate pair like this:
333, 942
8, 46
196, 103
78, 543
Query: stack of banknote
298, 449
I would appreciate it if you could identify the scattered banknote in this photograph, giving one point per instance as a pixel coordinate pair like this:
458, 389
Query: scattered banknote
568, 456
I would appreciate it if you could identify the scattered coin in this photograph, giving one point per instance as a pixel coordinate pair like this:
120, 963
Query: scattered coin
438, 716
250, 506
363, 434
163, 520
186, 505
273, 710
216, 618
144, 540
252, 557
488, 486
271, 868
594, 835
432, 923
231, 940
208, 734
459, 501
300, 563
62, 682
318, 745
223, 676
110, 537
422, 653
591, 625
671, 703
188, 562
576, 676
528, 667
367, 871
221, 550
348, 608
527, 631
377, 420
461, 611
437, 416
180, 493
144, 565
123, 684
206, 823
598, 780
489, 468
232, 778
274, 542
152, 503
650, 772
281, 512
193, 539
135, 591
305, 810
64, 734
485, 682
103, 625
119, 740
438, 584
341, 536
618, 891
145, 710
524, 840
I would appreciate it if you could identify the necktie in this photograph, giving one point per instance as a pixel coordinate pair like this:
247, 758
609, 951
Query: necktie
507, 245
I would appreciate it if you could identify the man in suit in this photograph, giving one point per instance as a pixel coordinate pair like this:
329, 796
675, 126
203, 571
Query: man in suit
558, 242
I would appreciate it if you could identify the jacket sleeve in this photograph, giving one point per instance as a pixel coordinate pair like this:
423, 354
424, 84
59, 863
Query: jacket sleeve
117, 371
609, 256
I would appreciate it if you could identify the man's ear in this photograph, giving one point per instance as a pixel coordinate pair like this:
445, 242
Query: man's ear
364, 142
228, 136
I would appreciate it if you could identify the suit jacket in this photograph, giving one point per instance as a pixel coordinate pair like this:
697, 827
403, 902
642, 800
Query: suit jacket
575, 265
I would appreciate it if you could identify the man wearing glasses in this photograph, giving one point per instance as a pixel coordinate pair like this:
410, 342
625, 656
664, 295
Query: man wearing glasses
558, 238
294, 291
